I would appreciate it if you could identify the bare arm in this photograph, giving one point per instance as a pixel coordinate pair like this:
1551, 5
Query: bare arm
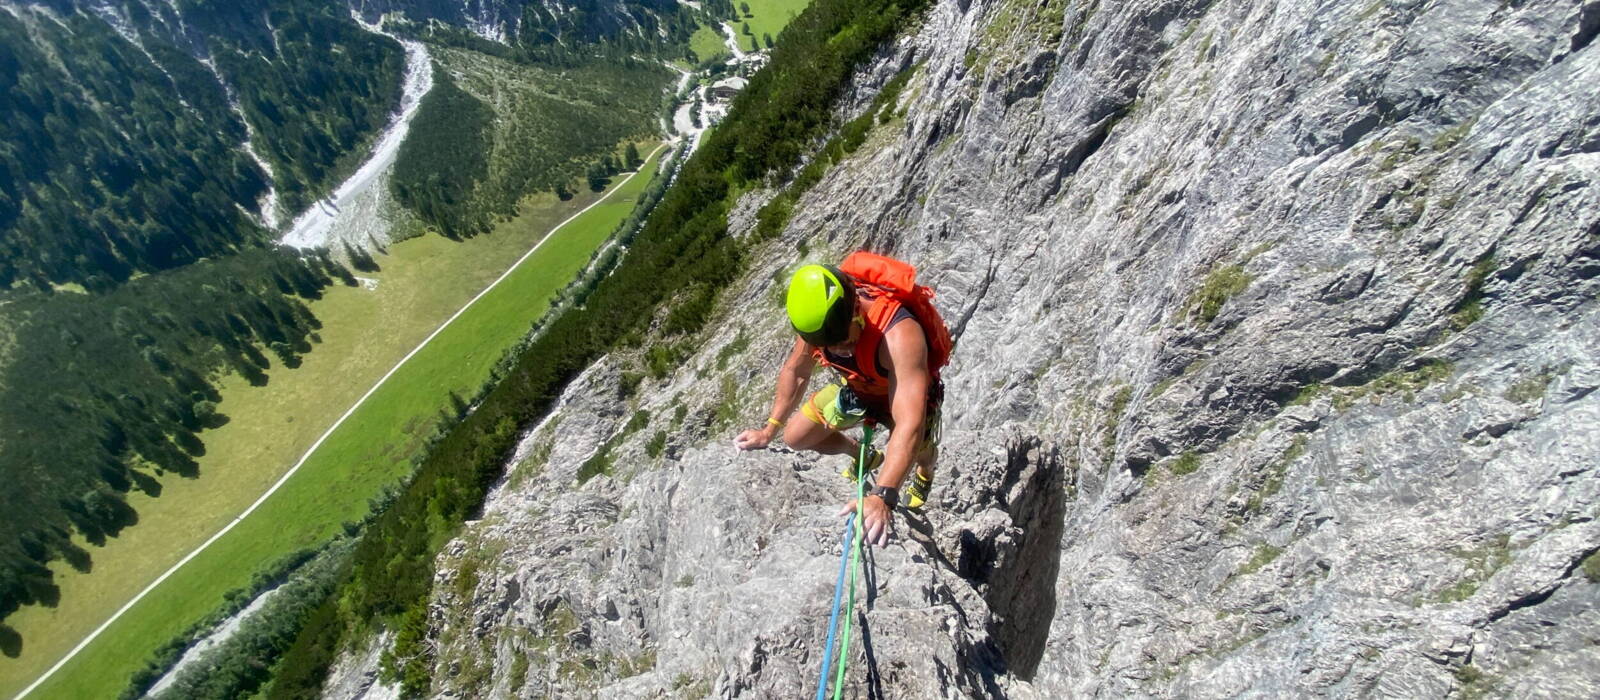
792, 380
908, 403
910, 383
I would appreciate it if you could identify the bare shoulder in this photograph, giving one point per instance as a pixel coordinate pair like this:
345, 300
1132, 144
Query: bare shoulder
905, 344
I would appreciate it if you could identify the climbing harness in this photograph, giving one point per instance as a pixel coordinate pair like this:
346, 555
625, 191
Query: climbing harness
851, 550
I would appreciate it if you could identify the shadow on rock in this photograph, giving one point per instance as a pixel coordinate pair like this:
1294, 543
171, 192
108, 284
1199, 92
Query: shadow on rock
1023, 593
874, 678
1009, 544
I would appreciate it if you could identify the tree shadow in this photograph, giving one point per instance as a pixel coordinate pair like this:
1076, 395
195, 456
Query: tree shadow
216, 420
189, 442
120, 515
44, 592
146, 484
256, 377
76, 557
10, 641
367, 263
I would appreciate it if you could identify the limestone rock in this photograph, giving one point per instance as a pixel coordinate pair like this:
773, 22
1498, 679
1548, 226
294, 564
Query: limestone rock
1275, 378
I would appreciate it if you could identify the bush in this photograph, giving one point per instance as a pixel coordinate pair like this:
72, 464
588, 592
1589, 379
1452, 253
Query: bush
657, 444
1470, 308
1222, 284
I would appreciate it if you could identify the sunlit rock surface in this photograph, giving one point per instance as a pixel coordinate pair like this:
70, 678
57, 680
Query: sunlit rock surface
1276, 377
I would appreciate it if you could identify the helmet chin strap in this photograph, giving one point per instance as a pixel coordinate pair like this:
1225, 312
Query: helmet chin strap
848, 348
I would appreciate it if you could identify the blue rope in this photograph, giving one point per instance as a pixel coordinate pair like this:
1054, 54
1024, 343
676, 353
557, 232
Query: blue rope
846, 550
855, 556
838, 595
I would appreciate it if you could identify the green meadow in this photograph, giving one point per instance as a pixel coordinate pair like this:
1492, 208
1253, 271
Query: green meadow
766, 17
423, 281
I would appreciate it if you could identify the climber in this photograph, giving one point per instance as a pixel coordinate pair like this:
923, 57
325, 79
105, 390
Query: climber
869, 321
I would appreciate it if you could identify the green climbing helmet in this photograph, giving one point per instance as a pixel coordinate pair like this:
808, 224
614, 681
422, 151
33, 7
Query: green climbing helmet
821, 303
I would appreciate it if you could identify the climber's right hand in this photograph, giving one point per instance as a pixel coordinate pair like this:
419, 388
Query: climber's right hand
754, 439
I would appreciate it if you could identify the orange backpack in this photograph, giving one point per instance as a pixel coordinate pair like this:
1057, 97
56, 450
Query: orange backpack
898, 281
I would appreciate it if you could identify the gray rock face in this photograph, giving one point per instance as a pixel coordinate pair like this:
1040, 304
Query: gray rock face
1276, 377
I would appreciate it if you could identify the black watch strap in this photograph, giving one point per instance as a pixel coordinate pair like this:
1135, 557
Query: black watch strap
889, 494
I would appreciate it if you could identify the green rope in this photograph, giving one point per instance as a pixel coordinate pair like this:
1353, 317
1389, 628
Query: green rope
855, 555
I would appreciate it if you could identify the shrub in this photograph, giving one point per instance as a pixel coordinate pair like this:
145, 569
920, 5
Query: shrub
1186, 464
1470, 308
1264, 555
1222, 284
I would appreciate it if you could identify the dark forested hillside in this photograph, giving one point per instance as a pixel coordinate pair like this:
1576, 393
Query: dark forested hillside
444, 157
120, 156
104, 394
553, 67
443, 172
139, 141
574, 25
326, 85
312, 83
90, 193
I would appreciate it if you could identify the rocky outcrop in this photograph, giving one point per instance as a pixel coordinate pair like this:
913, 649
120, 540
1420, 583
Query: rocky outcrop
1276, 377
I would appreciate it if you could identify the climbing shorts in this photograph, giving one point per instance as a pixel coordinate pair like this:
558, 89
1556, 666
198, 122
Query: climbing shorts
838, 407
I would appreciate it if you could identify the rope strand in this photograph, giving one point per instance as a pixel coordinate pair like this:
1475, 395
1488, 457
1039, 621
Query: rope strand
855, 557
838, 593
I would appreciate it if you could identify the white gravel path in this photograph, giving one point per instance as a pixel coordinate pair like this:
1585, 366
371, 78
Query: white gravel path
222, 633
732, 40
352, 214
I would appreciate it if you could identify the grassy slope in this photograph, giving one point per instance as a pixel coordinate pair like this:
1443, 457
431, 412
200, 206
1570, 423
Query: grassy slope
536, 134
423, 281
768, 16
707, 42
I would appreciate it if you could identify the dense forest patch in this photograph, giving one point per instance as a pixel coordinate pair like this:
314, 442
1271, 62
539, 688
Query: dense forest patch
121, 158
444, 157
105, 393
320, 89
92, 194
573, 33
533, 140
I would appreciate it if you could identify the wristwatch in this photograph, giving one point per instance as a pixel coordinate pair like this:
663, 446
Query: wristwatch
889, 494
